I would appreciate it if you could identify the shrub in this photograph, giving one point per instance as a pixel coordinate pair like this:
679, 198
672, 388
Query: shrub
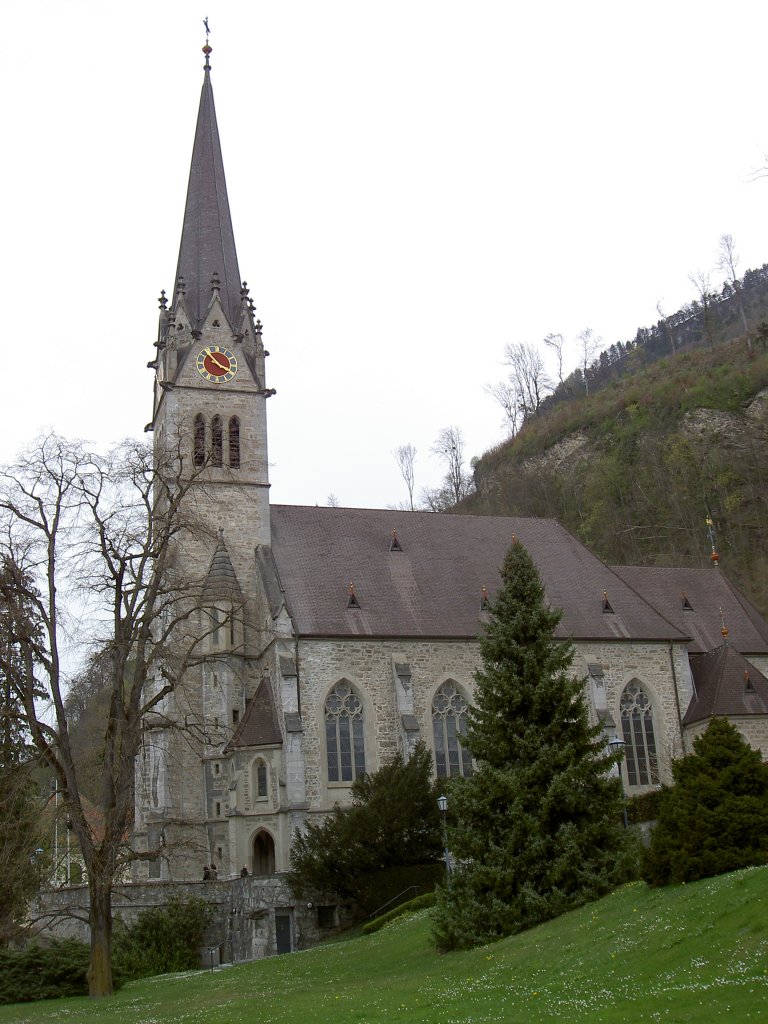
49, 972
715, 818
427, 899
163, 940
644, 807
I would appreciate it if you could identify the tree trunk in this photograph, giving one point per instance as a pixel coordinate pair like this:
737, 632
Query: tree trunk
100, 969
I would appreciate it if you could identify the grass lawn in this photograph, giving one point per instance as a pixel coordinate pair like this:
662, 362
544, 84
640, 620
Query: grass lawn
691, 953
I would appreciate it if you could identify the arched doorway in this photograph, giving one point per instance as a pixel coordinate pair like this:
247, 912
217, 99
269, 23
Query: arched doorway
263, 854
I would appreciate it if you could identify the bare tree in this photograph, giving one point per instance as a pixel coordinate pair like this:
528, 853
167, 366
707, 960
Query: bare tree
701, 281
589, 345
557, 342
332, 501
99, 533
667, 327
449, 446
405, 456
528, 376
728, 262
507, 396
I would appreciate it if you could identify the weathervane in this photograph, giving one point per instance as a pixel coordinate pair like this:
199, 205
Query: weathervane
207, 50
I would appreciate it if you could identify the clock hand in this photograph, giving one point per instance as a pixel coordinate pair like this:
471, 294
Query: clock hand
221, 366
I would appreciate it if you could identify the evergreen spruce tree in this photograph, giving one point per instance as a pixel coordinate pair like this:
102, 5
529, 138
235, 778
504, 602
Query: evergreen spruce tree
538, 827
715, 817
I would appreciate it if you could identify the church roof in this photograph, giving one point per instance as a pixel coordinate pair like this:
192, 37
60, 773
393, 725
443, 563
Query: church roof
699, 602
207, 239
726, 685
343, 575
259, 726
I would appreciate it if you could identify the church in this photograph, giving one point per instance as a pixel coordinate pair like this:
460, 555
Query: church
335, 638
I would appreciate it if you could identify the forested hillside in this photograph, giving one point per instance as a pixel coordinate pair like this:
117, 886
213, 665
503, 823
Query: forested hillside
661, 443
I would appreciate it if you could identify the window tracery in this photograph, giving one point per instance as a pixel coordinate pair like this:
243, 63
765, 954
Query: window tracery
345, 743
449, 724
639, 737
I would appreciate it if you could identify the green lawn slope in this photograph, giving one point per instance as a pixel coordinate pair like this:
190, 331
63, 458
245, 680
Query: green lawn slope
681, 954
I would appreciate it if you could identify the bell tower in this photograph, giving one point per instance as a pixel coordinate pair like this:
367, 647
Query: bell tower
209, 422
210, 391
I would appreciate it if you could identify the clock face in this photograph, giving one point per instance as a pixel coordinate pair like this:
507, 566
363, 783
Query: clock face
216, 364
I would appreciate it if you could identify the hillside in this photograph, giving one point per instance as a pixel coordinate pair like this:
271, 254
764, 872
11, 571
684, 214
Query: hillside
694, 953
635, 468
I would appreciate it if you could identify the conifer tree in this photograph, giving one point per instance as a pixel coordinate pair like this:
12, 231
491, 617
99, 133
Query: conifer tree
393, 822
715, 817
538, 826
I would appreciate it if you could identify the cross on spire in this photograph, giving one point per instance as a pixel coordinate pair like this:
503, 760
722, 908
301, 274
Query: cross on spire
207, 49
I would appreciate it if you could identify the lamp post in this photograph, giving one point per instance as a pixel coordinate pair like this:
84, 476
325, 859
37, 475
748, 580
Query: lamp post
617, 747
442, 803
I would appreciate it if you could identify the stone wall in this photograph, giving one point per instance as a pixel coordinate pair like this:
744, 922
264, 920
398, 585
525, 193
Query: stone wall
246, 915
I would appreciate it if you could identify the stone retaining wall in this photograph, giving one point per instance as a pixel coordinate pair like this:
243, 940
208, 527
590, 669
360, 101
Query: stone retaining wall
251, 917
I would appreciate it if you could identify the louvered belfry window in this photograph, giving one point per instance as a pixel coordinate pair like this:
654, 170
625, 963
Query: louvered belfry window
198, 456
234, 442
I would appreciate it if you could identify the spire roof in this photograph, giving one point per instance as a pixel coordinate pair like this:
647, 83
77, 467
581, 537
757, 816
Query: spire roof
207, 239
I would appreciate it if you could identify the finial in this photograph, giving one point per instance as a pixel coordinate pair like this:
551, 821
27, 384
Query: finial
162, 300
724, 630
207, 50
485, 604
215, 283
258, 326
180, 286
714, 557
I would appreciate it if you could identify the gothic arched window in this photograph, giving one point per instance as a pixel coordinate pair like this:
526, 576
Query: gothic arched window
344, 734
638, 735
217, 441
234, 442
449, 724
259, 780
199, 442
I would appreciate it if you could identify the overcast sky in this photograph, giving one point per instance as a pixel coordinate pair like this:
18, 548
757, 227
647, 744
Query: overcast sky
413, 186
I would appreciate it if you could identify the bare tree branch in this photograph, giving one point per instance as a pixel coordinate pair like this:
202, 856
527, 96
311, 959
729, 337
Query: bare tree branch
405, 456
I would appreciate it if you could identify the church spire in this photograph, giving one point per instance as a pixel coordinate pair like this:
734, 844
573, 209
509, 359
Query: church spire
207, 239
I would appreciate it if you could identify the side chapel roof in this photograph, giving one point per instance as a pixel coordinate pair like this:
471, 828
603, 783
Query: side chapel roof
727, 685
207, 238
258, 726
343, 576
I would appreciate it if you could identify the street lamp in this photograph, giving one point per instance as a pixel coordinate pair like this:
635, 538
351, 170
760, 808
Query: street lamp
442, 804
617, 747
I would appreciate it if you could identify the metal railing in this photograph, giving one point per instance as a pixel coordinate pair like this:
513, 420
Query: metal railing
415, 889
